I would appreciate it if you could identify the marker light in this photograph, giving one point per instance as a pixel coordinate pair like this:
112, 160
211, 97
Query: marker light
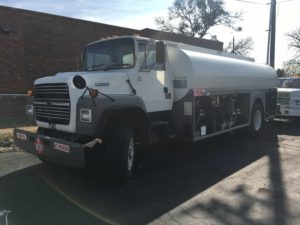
94, 93
29, 93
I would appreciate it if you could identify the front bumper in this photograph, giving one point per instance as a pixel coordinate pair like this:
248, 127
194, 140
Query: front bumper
283, 111
51, 149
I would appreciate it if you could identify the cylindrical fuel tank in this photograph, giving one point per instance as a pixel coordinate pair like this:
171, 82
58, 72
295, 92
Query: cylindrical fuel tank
191, 69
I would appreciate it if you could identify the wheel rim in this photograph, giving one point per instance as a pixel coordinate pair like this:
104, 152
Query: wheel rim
257, 120
130, 154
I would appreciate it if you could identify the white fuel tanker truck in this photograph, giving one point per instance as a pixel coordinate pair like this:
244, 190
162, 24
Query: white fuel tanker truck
134, 90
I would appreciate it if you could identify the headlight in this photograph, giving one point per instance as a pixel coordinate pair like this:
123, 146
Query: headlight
85, 115
29, 110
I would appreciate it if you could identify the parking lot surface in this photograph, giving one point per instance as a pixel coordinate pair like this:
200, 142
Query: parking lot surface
229, 179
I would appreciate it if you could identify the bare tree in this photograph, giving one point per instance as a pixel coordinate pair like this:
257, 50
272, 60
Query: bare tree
240, 47
292, 66
195, 17
294, 39
281, 73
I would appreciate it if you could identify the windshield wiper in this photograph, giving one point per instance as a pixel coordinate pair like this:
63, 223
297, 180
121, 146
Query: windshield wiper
97, 67
105, 67
116, 65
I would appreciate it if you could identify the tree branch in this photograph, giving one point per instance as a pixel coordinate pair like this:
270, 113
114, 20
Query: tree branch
196, 17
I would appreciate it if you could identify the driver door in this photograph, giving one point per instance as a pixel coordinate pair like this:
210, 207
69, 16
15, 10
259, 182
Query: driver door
152, 83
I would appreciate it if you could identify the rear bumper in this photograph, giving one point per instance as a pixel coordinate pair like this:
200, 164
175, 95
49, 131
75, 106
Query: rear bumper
51, 149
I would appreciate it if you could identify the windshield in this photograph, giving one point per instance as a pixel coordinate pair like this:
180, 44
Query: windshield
112, 54
280, 82
290, 83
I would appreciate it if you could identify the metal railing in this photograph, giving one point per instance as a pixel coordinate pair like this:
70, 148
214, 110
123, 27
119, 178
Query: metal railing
4, 95
4, 213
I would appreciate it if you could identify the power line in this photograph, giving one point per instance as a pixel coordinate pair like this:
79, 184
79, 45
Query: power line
75, 4
283, 1
261, 3
252, 2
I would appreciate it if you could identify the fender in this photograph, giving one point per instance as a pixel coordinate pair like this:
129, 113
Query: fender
103, 109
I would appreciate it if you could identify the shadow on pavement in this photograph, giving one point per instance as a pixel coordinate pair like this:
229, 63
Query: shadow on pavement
276, 202
165, 177
32, 201
286, 126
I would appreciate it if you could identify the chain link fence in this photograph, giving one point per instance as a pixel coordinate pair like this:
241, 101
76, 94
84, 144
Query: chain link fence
12, 111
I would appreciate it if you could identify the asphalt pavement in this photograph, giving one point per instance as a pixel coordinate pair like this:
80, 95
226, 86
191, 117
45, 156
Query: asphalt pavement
229, 179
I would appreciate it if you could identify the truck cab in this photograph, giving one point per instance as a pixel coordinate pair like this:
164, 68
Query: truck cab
122, 70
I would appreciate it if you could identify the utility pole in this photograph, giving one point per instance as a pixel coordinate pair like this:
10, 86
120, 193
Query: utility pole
239, 29
271, 35
233, 44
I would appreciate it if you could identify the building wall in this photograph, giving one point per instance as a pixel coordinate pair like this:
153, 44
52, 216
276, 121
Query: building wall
161, 35
11, 51
34, 45
40, 44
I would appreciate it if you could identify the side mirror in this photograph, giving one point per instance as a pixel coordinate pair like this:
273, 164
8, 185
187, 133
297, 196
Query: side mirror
160, 52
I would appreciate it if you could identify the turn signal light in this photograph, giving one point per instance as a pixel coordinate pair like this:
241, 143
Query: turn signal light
29, 93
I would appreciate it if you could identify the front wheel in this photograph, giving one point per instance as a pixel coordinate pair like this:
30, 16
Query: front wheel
120, 149
257, 119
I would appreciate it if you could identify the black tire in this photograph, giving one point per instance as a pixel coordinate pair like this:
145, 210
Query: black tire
120, 150
257, 119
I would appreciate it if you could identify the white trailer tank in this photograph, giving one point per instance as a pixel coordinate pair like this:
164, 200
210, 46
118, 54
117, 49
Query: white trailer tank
195, 67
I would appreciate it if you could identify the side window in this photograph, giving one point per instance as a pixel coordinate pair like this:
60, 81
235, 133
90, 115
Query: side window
147, 56
128, 59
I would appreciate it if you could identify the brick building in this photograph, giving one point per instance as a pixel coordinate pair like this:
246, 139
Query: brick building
34, 44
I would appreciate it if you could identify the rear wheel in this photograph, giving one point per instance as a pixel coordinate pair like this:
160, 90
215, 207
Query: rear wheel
120, 149
257, 119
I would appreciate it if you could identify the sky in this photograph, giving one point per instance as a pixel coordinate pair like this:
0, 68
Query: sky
139, 14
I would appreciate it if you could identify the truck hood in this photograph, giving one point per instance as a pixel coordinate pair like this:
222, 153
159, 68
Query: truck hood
294, 92
105, 81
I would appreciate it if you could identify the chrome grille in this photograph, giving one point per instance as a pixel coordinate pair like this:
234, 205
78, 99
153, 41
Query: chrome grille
52, 103
283, 98
283, 94
283, 101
